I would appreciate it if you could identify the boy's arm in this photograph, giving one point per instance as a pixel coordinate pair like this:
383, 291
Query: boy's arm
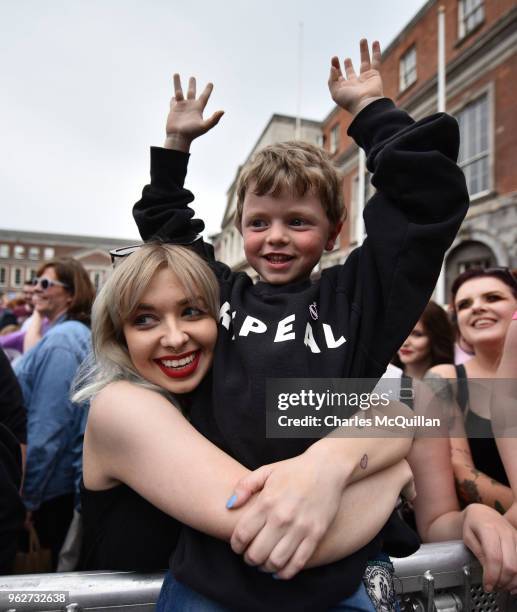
163, 213
411, 220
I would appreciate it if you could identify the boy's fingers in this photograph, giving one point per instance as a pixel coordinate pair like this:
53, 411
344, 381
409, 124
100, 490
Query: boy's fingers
191, 92
365, 55
376, 55
178, 92
213, 120
349, 68
205, 94
334, 63
333, 77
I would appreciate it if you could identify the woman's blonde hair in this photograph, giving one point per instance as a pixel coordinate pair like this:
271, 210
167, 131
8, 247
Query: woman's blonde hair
117, 302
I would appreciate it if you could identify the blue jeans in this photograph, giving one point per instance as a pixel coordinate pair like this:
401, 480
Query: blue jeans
176, 597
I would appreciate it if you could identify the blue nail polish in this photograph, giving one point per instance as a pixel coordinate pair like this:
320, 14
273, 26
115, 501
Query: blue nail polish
231, 501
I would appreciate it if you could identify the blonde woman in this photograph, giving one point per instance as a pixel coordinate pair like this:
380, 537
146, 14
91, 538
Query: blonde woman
154, 331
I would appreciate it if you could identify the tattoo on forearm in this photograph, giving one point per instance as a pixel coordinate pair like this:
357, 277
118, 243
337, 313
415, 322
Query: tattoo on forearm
468, 492
364, 461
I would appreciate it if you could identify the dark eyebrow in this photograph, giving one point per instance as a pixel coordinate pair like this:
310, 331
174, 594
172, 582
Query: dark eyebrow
145, 307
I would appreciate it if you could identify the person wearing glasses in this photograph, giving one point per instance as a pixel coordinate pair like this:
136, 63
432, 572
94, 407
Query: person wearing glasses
483, 302
63, 295
34, 327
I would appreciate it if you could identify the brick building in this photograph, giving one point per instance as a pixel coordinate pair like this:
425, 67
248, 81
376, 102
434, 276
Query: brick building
22, 253
481, 89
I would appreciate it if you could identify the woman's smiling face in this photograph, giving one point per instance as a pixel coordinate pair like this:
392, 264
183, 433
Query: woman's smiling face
484, 307
171, 338
416, 348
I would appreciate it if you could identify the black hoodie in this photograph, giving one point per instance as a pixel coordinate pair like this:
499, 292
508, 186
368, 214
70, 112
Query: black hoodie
347, 324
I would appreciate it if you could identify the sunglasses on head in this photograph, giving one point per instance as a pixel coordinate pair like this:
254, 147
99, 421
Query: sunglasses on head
46, 283
117, 255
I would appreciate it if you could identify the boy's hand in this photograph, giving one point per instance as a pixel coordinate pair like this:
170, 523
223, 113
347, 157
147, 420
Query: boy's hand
185, 121
297, 504
355, 92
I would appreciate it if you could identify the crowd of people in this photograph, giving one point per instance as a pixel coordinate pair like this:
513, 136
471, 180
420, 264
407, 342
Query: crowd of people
144, 409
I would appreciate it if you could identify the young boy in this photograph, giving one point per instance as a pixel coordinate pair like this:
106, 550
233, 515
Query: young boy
348, 323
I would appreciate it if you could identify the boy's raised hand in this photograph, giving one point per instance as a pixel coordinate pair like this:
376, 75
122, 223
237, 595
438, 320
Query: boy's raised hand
354, 92
185, 120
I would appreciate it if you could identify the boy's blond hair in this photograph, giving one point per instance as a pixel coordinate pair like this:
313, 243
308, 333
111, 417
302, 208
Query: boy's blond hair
295, 168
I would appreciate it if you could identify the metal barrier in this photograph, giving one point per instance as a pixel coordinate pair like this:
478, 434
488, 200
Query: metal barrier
439, 577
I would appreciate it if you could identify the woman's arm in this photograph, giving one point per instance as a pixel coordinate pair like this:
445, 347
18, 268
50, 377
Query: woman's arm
506, 445
473, 486
488, 535
137, 437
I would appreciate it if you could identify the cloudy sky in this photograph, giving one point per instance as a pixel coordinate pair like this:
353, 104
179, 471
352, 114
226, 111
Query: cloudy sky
86, 87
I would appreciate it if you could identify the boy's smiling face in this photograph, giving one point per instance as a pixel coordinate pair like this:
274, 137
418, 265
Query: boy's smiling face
284, 237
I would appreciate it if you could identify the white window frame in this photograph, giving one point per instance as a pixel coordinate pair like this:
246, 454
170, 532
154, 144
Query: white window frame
464, 162
19, 251
471, 13
334, 138
14, 271
4, 270
353, 213
30, 273
407, 68
34, 253
49, 253
4, 251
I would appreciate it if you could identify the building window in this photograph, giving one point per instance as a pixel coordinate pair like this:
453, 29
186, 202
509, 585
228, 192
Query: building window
30, 275
19, 251
355, 215
3, 275
34, 253
17, 277
48, 253
334, 138
4, 251
407, 69
470, 14
474, 145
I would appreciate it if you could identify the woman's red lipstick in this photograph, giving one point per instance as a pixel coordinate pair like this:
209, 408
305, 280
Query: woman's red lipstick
179, 371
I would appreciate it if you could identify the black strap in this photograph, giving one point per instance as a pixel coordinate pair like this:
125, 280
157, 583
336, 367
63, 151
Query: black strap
462, 393
406, 391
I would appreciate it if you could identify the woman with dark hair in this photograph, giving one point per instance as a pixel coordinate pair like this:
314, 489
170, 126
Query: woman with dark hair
484, 301
430, 342
63, 295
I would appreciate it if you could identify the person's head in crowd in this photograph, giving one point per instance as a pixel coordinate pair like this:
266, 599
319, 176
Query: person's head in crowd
289, 210
154, 322
430, 343
62, 286
28, 292
484, 301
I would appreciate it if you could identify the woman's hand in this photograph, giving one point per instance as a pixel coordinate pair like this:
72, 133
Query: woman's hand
494, 542
297, 504
185, 120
